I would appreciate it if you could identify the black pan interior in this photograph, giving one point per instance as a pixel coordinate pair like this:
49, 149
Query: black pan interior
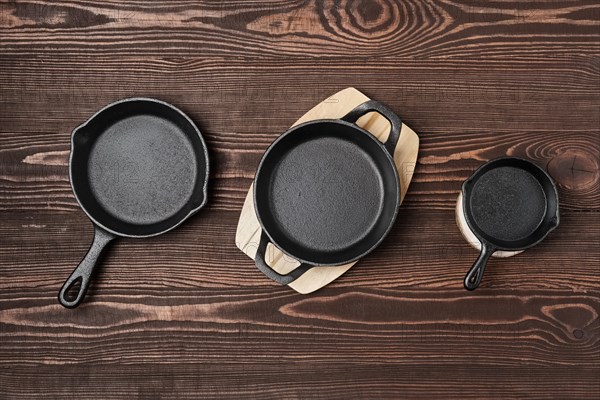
139, 167
510, 203
326, 192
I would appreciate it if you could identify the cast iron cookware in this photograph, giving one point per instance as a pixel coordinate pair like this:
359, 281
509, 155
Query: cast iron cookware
509, 204
327, 192
138, 168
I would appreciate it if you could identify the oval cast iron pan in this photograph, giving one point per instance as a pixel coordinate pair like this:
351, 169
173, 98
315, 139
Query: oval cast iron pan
327, 192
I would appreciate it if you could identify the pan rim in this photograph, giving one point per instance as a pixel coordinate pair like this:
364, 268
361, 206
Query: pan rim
489, 165
148, 100
382, 148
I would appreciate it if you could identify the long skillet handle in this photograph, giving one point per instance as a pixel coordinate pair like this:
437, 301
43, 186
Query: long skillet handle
395, 122
473, 278
261, 264
80, 278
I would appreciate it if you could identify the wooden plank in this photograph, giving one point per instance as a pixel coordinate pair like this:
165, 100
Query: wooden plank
503, 95
354, 327
290, 380
424, 250
288, 28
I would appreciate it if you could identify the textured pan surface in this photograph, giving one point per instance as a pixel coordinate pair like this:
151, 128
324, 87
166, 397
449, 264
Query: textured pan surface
326, 192
508, 203
139, 167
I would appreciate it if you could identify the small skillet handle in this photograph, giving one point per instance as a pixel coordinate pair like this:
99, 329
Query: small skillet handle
473, 278
261, 264
395, 122
82, 274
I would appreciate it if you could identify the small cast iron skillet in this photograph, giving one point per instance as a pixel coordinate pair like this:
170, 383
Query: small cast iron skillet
509, 204
327, 192
138, 168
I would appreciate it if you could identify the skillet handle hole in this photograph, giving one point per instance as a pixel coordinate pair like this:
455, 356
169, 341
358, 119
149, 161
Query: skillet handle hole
73, 290
474, 277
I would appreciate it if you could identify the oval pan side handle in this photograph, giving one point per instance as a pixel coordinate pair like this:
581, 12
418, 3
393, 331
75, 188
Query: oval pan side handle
262, 265
394, 120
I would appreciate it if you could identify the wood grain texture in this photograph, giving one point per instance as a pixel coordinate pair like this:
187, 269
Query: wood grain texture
186, 315
296, 28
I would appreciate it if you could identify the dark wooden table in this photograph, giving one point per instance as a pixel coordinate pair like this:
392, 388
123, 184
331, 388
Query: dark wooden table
187, 315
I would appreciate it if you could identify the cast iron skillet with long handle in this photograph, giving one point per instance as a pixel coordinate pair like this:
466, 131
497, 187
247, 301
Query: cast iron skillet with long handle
138, 168
509, 204
327, 192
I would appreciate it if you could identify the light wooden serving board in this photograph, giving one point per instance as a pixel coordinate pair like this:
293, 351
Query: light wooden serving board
405, 156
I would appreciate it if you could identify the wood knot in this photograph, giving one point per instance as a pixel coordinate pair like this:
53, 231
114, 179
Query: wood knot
578, 333
573, 318
369, 10
369, 18
574, 169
